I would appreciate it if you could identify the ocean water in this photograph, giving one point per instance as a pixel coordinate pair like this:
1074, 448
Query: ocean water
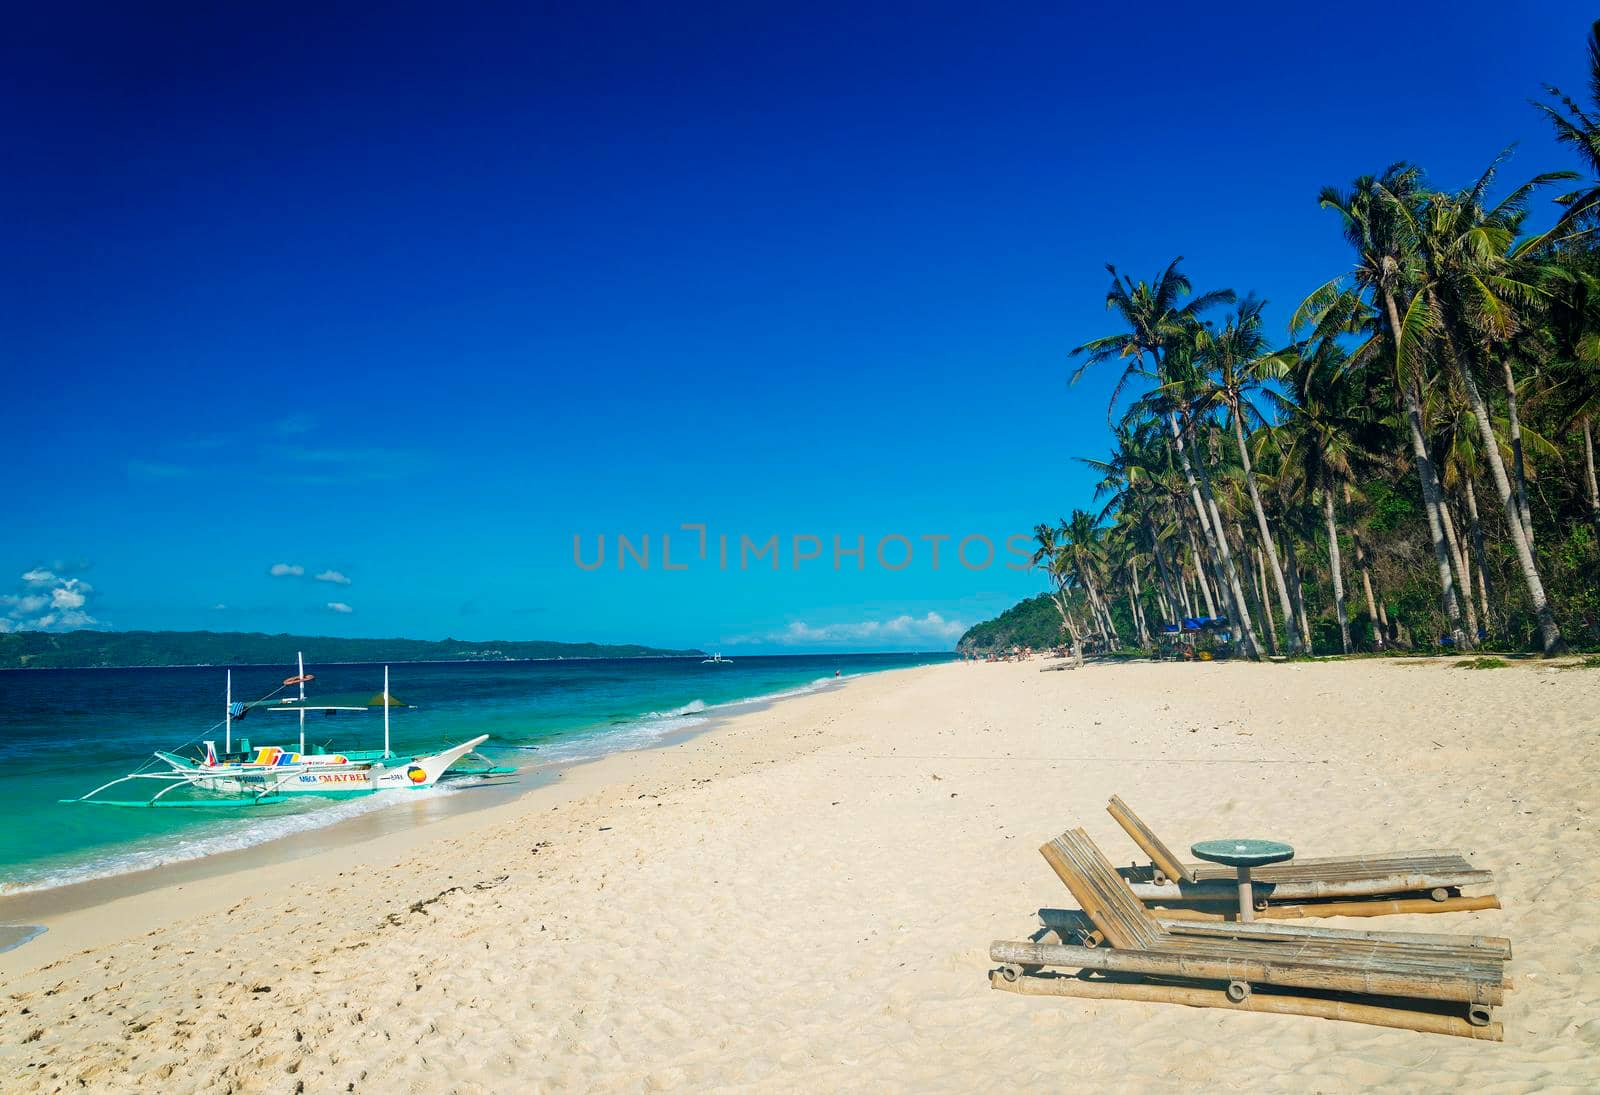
65, 732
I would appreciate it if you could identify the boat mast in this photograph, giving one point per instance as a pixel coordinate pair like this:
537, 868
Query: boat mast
227, 718
301, 659
385, 712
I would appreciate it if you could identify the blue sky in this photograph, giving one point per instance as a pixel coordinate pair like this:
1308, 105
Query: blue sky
413, 296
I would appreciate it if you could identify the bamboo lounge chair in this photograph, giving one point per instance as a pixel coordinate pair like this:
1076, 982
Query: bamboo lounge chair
1441, 984
1403, 882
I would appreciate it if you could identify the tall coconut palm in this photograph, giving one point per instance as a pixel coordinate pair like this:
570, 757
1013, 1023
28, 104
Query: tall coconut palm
1049, 556
1157, 324
1573, 329
1322, 442
1387, 268
1237, 360
1468, 301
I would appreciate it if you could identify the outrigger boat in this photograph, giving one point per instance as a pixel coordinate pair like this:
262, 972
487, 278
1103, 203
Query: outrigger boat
274, 774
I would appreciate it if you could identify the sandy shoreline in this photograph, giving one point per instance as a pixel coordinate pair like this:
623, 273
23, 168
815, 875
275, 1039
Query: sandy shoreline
805, 897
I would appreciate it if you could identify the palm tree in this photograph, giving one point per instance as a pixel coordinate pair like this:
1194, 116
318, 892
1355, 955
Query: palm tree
1468, 300
1322, 444
1237, 360
1386, 268
1055, 562
1080, 538
1572, 326
1158, 326
1579, 128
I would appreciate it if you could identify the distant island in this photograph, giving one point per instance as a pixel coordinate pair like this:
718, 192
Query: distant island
107, 649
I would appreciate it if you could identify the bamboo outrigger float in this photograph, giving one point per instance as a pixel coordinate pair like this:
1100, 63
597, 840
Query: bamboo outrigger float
276, 774
1397, 882
1440, 984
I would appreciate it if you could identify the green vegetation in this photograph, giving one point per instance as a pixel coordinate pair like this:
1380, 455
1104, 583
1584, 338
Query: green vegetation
1483, 663
1034, 622
1411, 465
91, 649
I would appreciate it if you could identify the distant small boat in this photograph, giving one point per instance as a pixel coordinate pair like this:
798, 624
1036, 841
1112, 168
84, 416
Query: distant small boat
717, 659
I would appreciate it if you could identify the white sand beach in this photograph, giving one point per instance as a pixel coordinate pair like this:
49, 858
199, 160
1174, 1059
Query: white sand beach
804, 897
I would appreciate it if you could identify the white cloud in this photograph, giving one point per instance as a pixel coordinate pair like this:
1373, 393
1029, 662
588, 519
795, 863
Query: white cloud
219, 607
901, 629
333, 576
26, 603
339, 606
286, 570
69, 595
61, 601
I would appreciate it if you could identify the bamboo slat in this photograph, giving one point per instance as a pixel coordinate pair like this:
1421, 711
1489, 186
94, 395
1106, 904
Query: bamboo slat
1224, 889
1373, 1015
1219, 965
1124, 923
1067, 920
1494, 945
1146, 839
1353, 869
1394, 907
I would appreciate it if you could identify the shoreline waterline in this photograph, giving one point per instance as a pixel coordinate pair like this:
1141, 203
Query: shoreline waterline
385, 819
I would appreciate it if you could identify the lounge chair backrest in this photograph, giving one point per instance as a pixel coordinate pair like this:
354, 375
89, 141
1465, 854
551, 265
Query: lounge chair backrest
1169, 864
1101, 892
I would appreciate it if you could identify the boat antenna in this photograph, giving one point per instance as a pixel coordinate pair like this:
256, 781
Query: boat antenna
227, 717
300, 660
385, 712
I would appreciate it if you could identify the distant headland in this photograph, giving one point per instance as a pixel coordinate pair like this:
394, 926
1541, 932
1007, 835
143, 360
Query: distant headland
108, 649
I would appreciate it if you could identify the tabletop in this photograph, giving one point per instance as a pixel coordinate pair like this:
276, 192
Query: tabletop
1242, 853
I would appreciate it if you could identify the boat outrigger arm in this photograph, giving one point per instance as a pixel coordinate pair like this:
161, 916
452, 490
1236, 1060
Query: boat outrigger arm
283, 776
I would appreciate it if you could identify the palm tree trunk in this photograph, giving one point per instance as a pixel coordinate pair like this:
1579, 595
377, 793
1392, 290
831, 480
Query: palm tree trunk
1411, 400
1336, 568
1298, 588
1099, 606
1266, 533
1478, 554
1372, 605
1523, 508
1199, 573
1268, 624
1549, 633
1588, 467
1063, 602
1433, 504
1138, 609
1458, 555
1366, 576
1161, 570
1255, 586
1242, 617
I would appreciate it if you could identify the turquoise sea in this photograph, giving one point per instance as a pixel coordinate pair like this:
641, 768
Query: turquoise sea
64, 732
